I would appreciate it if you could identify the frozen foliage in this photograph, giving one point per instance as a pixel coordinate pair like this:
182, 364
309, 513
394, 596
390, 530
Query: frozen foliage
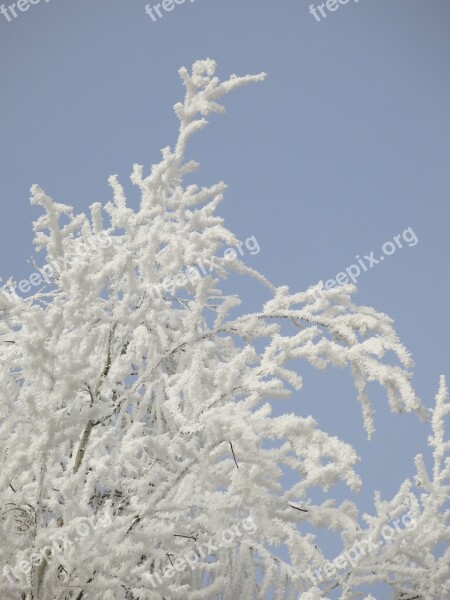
414, 560
149, 414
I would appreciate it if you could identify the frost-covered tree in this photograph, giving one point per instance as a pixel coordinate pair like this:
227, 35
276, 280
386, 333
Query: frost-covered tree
139, 457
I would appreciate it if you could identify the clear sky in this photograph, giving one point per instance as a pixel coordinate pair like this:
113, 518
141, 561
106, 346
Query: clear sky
343, 147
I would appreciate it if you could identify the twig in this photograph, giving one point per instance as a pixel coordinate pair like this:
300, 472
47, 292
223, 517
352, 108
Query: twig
189, 537
235, 461
136, 520
168, 556
298, 508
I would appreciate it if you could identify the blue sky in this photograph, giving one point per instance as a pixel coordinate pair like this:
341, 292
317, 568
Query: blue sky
344, 146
